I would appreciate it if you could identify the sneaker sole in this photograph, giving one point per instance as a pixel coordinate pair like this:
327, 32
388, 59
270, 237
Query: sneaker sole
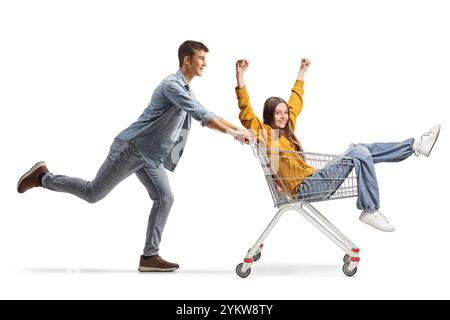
434, 142
153, 269
376, 227
27, 174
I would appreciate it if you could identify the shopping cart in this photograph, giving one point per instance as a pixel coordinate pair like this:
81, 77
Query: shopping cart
335, 184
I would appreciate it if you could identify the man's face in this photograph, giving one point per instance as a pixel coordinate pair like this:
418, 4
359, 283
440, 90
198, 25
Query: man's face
197, 62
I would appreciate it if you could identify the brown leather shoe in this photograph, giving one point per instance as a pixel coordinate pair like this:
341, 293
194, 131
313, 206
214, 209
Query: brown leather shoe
32, 178
155, 263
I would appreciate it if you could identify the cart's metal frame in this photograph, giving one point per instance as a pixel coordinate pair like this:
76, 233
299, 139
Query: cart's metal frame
286, 202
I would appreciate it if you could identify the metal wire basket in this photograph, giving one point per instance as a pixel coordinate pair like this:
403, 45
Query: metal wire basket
334, 176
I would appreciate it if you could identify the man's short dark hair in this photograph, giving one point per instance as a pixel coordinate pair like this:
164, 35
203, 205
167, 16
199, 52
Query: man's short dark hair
187, 49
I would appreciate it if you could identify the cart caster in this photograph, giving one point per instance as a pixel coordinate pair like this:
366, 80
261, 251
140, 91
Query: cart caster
347, 258
256, 257
240, 273
347, 272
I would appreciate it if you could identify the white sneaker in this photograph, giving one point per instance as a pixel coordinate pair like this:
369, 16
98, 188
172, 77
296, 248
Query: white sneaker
425, 144
375, 219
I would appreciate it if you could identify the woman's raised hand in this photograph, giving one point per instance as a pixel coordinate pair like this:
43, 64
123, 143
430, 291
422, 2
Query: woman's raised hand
241, 65
305, 64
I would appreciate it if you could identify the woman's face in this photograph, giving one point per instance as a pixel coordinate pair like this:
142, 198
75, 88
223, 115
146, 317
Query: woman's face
281, 116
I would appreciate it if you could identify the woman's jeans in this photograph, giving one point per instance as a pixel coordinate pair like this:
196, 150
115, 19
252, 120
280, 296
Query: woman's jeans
123, 160
364, 157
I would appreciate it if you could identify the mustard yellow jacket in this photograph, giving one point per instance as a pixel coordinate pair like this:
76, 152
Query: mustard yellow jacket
291, 167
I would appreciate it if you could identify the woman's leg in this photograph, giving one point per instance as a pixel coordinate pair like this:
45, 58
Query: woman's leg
323, 183
389, 152
365, 156
368, 192
122, 161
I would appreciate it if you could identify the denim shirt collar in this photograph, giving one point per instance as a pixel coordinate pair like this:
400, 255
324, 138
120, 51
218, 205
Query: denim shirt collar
180, 76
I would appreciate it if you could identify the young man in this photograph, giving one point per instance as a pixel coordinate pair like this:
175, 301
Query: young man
147, 147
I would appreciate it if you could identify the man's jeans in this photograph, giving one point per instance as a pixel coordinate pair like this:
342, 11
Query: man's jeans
364, 157
122, 161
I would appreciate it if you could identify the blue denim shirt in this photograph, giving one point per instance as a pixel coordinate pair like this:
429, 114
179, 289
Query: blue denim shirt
161, 132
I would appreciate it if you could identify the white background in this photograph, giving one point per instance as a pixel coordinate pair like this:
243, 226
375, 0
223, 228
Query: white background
75, 73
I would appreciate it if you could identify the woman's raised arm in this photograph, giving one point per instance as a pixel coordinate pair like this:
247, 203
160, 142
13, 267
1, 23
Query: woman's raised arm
296, 100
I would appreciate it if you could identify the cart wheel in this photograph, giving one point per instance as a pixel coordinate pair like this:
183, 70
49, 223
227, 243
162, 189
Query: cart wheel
256, 256
347, 258
239, 271
347, 272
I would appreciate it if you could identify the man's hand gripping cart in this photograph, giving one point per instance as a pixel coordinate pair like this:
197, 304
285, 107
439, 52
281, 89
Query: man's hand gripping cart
339, 182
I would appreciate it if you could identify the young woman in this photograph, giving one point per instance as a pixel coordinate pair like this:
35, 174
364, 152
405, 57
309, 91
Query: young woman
276, 132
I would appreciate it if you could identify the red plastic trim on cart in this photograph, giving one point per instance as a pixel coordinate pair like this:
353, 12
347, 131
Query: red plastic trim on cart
355, 249
355, 259
248, 260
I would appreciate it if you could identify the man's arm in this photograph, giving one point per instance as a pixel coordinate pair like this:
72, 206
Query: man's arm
232, 126
224, 126
181, 99
175, 93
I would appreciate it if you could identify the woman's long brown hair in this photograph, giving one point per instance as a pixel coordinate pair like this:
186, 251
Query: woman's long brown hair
269, 115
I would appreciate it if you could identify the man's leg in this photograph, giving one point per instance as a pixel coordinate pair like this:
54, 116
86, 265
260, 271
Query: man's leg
122, 161
157, 184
